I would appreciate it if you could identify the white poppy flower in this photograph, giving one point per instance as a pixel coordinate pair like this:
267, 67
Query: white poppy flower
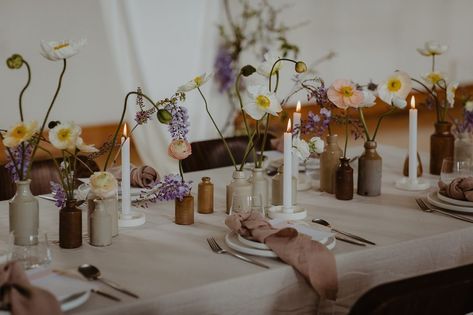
399, 102
64, 136
261, 102
198, 81
316, 145
397, 85
369, 99
469, 106
432, 48
269, 60
85, 147
19, 133
300, 148
433, 78
451, 90
55, 51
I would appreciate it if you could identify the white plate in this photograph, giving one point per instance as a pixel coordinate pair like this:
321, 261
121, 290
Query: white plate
232, 241
452, 201
433, 199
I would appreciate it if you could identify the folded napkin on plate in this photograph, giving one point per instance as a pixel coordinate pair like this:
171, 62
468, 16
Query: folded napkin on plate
309, 257
460, 188
23, 298
143, 176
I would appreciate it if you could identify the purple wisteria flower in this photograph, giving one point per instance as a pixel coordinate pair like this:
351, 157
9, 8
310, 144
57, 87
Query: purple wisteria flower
224, 73
465, 126
179, 125
319, 94
59, 194
316, 123
18, 156
172, 187
142, 116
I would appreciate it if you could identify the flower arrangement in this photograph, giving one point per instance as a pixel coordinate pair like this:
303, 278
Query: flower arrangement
103, 185
23, 139
440, 92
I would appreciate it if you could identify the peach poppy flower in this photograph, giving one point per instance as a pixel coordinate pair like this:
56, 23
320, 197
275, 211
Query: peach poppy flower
343, 94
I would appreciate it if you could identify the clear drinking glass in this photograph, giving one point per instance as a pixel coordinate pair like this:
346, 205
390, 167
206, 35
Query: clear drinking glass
452, 169
246, 203
6, 247
33, 256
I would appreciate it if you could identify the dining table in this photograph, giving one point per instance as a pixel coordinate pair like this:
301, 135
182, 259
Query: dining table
174, 271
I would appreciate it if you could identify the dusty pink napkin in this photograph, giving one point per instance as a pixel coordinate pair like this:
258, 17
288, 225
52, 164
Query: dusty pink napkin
460, 188
24, 299
312, 259
143, 176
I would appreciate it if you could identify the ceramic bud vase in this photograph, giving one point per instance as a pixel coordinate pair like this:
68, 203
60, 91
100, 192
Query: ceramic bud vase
277, 188
100, 224
369, 171
184, 210
463, 147
344, 180
70, 225
239, 185
205, 196
23, 213
260, 185
110, 204
441, 146
329, 160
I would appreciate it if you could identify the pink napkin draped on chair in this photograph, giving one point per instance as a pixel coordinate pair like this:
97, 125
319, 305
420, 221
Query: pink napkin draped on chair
460, 188
312, 259
23, 298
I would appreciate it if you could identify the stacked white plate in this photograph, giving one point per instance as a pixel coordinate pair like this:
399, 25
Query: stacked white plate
447, 203
246, 246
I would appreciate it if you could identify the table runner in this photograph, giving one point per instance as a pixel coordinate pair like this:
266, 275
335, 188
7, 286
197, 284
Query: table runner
174, 271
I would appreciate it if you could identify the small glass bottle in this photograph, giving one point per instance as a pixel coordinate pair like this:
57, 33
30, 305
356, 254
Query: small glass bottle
205, 196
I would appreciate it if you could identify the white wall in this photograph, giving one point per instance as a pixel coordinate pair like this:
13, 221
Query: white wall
372, 38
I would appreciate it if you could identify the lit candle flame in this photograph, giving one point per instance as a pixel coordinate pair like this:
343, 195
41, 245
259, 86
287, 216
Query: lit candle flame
298, 107
413, 102
289, 125
125, 131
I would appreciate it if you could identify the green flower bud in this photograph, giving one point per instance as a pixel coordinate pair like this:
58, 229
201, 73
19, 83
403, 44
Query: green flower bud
164, 116
247, 70
300, 67
15, 61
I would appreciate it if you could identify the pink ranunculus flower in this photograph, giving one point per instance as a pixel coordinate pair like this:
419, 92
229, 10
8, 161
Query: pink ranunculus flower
343, 94
179, 149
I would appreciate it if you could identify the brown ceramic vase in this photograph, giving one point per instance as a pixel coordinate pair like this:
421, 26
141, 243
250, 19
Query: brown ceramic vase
184, 210
344, 180
70, 225
442, 146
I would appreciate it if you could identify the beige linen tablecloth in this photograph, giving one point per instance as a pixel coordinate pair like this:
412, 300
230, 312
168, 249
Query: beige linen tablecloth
174, 271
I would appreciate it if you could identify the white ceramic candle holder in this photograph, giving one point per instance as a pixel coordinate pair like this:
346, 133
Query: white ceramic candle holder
132, 217
407, 184
287, 213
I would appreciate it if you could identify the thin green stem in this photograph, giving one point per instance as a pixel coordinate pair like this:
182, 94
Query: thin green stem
43, 125
433, 63
265, 136
392, 110
346, 134
55, 163
277, 82
434, 96
181, 171
365, 127
117, 130
249, 148
272, 69
237, 90
24, 89
218, 130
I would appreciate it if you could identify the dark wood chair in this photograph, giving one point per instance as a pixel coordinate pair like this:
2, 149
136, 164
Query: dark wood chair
443, 292
212, 153
42, 173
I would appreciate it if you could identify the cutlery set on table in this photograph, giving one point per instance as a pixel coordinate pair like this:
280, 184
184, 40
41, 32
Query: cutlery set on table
437, 202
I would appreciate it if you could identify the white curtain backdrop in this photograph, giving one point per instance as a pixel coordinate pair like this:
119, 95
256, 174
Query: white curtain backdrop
160, 45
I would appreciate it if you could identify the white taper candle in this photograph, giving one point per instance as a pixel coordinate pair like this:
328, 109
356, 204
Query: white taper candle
287, 175
413, 141
125, 184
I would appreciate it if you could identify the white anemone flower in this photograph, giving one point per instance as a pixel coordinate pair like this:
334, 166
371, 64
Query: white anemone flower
432, 48
316, 145
433, 78
400, 103
300, 148
265, 68
369, 99
395, 89
198, 81
20, 133
64, 136
261, 102
451, 90
87, 148
55, 50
